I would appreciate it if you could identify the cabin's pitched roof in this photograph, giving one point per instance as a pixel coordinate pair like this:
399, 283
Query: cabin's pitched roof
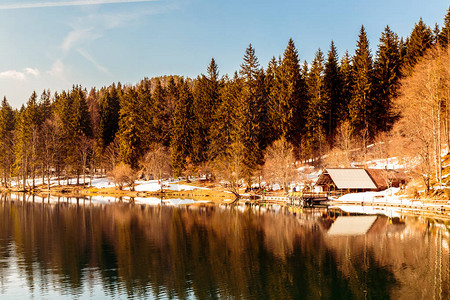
351, 178
352, 225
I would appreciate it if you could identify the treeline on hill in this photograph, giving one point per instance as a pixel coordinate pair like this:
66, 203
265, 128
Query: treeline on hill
228, 127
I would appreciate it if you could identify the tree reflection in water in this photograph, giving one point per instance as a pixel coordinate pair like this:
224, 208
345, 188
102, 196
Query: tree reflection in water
210, 252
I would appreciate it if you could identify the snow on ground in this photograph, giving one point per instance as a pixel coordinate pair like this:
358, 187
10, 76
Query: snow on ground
369, 210
148, 201
388, 195
391, 163
153, 186
104, 182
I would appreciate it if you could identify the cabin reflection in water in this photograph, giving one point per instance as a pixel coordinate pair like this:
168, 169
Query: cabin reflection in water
85, 249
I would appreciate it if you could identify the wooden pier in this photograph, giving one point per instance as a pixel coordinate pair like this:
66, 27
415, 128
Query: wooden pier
294, 199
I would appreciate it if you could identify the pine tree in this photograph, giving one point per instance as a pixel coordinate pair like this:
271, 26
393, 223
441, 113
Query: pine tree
436, 33
226, 120
360, 104
76, 128
419, 41
332, 92
444, 36
27, 139
206, 100
346, 75
254, 110
147, 132
387, 75
317, 113
180, 143
109, 106
130, 144
287, 99
160, 120
228, 135
169, 106
7, 127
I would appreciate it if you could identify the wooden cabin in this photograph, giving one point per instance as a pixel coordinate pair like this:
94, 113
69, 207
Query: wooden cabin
359, 180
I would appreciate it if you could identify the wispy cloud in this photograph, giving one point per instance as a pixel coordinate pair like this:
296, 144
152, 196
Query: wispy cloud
77, 35
93, 61
18, 75
12, 74
33, 72
57, 68
66, 3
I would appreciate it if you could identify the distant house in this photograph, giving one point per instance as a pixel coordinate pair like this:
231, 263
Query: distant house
359, 180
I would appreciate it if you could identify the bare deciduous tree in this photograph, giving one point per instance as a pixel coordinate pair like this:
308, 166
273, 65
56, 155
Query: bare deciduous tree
341, 154
231, 166
85, 152
422, 99
156, 162
123, 175
279, 164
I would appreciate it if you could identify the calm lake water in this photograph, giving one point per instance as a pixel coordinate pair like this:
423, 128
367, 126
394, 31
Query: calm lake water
120, 250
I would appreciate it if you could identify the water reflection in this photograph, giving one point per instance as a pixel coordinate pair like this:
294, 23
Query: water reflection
207, 252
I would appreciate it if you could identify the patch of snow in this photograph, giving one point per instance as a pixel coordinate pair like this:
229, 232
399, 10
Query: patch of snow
148, 201
178, 201
101, 183
388, 195
369, 210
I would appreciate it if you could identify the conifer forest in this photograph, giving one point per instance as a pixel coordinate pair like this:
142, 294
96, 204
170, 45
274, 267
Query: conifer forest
227, 126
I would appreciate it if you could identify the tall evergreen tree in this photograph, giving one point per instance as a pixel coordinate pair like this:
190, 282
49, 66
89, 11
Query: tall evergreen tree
360, 104
227, 120
7, 127
419, 41
346, 75
130, 143
180, 143
288, 97
206, 100
161, 121
109, 111
444, 36
146, 127
254, 109
332, 92
317, 113
387, 75
27, 156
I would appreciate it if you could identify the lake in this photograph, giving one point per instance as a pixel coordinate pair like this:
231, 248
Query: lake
69, 249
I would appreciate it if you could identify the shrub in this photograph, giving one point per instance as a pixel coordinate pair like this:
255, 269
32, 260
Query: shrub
122, 175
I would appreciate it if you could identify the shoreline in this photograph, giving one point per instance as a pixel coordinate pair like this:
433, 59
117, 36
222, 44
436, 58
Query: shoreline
218, 195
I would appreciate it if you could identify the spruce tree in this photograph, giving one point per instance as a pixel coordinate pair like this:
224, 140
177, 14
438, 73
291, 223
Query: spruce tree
226, 120
387, 75
287, 98
130, 145
147, 132
206, 99
419, 41
180, 143
346, 75
360, 103
444, 36
109, 115
332, 92
160, 120
254, 110
317, 113
7, 127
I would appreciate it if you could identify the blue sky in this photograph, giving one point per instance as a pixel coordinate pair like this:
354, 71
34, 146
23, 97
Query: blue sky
56, 43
